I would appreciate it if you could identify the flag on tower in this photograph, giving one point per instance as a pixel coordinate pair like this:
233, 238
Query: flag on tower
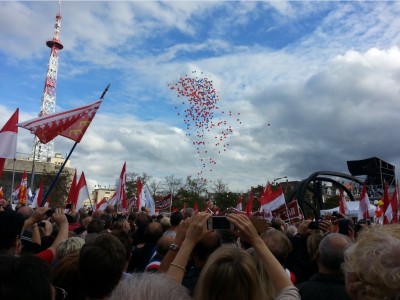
8, 140
82, 192
363, 207
71, 124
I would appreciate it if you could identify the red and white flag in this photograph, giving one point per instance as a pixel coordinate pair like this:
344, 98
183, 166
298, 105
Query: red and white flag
394, 203
102, 204
8, 140
139, 201
239, 203
22, 193
38, 196
363, 207
120, 193
249, 206
387, 208
273, 200
343, 209
71, 124
82, 192
72, 191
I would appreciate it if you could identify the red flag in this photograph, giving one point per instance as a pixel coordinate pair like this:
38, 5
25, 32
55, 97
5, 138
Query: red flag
120, 192
22, 196
343, 209
394, 202
139, 188
8, 140
71, 124
249, 206
386, 203
196, 207
72, 191
363, 208
82, 192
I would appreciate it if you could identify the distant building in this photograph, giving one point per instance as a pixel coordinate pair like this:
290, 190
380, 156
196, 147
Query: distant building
101, 192
24, 162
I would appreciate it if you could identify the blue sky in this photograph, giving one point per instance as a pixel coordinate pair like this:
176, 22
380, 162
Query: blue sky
323, 74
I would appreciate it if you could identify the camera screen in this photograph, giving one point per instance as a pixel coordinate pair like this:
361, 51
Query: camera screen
220, 223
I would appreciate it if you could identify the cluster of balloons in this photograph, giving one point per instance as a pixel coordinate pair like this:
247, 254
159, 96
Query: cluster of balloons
205, 123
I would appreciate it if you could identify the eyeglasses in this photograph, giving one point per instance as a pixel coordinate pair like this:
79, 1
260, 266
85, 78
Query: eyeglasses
61, 294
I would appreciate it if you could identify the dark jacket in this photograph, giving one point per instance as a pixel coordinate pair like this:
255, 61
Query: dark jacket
323, 286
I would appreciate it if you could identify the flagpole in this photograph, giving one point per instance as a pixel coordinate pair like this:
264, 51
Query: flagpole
13, 176
65, 161
33, 164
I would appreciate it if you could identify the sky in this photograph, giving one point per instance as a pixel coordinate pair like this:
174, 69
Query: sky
302, 86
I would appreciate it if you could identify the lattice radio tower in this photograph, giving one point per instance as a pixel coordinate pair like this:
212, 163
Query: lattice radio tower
43, 151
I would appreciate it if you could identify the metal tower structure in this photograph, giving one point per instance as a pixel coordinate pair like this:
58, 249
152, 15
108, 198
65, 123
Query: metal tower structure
42, 151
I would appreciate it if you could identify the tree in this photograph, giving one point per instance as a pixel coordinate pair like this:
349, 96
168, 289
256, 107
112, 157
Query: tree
173, 184
155, 188
131, 182
59, 193
219, 187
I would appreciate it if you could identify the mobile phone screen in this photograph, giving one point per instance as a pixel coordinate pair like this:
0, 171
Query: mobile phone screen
219, 222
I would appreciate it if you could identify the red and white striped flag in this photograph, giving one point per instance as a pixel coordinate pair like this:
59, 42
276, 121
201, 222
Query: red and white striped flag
8, 140
71, 124
102, 204
72, 191
82, 192
363, 207
387, 208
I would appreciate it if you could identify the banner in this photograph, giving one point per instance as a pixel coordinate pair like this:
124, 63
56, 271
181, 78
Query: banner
289, 212
164, 203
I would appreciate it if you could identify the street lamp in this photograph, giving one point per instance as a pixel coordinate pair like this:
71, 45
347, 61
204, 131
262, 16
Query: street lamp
276, 179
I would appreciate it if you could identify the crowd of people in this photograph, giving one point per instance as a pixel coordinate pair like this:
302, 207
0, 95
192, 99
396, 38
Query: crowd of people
60, 254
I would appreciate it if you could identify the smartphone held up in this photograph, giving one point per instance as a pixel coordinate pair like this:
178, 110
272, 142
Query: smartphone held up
219, 222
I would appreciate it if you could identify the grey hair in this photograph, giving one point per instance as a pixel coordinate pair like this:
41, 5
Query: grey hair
69, 246
149, 286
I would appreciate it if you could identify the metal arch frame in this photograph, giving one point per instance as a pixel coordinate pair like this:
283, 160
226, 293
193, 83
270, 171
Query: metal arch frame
303, 186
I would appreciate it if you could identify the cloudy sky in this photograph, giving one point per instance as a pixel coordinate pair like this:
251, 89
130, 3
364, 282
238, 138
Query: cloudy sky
305, 86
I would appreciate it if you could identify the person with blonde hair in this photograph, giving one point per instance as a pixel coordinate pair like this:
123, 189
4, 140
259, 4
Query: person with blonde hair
372, 264
230, 272
69, 246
